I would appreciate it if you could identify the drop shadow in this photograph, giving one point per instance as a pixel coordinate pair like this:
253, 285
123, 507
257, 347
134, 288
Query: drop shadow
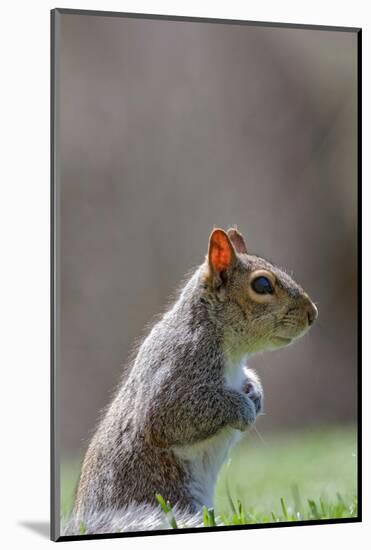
42, 528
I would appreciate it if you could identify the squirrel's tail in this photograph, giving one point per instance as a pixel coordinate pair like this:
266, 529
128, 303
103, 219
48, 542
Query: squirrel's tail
135, 517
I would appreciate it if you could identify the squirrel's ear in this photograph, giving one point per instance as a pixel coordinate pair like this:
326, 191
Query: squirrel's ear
237, 240
221, 252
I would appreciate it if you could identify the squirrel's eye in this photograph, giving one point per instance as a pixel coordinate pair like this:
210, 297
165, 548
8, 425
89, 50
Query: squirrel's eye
262, 285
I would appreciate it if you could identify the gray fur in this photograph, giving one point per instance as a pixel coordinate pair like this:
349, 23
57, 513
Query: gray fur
140, 517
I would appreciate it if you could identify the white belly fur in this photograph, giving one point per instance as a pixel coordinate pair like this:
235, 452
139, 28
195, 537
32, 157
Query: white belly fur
204, 459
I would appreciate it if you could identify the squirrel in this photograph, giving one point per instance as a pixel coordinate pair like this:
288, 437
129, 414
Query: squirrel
189, 395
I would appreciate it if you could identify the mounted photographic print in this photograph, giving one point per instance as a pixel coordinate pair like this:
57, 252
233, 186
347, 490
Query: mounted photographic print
205, 287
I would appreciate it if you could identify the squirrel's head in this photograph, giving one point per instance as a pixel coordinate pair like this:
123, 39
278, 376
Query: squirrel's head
258, 305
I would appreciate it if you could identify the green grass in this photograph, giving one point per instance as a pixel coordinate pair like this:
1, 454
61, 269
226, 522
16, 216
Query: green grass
314, 466
287, 477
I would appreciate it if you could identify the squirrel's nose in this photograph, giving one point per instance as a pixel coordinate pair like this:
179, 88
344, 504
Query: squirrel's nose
312, 312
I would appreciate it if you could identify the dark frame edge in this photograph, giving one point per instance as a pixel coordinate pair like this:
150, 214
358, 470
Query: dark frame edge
54, 508
52, 454
169, 17
247, 527
359, 262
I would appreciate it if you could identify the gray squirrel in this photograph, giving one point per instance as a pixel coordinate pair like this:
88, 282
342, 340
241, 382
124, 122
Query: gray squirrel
188, 396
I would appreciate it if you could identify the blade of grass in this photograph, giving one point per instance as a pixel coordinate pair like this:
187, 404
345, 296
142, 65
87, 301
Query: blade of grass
284, 509
297, 499
241, 512
230, 500
323, 508
314, 509
166, 508
205, 517
211, 513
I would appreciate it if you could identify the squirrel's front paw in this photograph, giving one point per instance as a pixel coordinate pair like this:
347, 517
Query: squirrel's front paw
253, 389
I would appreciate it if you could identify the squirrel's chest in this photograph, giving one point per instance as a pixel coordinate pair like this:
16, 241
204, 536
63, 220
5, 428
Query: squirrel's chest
203, 461
234, 374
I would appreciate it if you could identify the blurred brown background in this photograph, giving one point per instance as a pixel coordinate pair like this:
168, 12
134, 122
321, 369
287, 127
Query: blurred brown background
167, 129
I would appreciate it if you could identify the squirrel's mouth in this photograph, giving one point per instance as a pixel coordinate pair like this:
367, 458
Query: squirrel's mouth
280, 341
283, 338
